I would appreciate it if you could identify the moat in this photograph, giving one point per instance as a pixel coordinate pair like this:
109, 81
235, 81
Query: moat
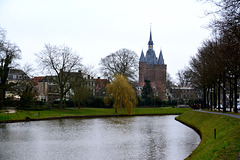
143, 137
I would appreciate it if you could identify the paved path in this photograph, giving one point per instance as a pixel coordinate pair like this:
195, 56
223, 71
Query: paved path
230, 115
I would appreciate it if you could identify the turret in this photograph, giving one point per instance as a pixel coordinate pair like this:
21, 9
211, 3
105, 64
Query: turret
160, 59
142, 58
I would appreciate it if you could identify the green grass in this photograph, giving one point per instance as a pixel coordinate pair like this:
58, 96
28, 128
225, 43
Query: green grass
227, 142
22, 114
139, 111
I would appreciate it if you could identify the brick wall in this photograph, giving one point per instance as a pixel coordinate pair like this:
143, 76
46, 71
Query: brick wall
156, 74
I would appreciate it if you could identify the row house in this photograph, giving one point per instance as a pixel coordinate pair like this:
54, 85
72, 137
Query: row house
100, 87
48, 88
16, 77
184, 93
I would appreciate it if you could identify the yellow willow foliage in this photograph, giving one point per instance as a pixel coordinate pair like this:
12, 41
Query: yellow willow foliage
122, 93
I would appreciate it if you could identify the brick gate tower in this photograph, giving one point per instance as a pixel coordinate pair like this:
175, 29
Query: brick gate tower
153, 69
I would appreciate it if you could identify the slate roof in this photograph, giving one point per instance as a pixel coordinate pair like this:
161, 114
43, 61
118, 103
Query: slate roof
150, 42
142, 58
160, 59
151, 58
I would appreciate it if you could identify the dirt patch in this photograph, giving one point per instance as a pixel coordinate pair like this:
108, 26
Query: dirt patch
11, 110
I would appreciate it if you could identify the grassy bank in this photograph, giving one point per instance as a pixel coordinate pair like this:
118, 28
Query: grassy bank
22, 114
225, 146
227, 142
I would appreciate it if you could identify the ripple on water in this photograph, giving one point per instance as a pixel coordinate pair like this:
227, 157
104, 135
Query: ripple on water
144, 137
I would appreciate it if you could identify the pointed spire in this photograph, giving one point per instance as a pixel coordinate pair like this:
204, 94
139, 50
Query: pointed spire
160, 59
142, 58
150, 39
150, 42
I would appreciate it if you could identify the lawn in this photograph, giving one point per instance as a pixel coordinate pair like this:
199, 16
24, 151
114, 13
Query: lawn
227, 142
22, 114
162, 110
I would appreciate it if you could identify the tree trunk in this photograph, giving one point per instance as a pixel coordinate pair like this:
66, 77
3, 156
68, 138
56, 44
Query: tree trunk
235, 94
224, 94
61, 101
231, 95
208, 99
219, 94
211, 98
64, 100
214, 97
204, 97
2, 96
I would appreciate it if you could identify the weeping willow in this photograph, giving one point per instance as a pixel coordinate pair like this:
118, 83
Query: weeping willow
122, 94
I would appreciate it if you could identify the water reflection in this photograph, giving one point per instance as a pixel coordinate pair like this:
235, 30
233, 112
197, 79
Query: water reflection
156, 137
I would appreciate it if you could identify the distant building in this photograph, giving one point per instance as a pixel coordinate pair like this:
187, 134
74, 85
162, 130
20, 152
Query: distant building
16, 76
37, 79
185, 94
153, 69
48, 88
90, 83
100, 87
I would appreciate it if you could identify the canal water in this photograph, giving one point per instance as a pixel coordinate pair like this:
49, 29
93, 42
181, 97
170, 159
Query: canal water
116, 138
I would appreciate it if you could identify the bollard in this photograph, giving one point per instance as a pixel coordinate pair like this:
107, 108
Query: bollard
215, 133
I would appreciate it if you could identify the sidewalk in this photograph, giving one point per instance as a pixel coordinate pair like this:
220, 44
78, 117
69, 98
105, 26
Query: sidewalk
230, 115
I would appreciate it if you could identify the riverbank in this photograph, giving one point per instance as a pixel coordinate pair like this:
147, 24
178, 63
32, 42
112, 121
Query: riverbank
23, 115
225, 146
227, 142
130, 137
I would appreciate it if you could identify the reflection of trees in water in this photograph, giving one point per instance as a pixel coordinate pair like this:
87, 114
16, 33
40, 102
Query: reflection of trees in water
154, 141
121, 125
4, 131
145, 137
121, 120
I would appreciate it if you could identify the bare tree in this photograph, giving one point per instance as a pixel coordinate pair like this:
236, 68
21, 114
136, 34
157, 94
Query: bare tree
9, 52
81, 90
123, 61
216, 67
24, 87
182, 78
170, 82
59, 61
89, 70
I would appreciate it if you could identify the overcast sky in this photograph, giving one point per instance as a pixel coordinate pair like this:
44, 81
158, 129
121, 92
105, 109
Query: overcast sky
96, 28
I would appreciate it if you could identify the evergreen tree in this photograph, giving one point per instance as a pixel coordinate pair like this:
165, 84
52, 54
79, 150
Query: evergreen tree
147, 93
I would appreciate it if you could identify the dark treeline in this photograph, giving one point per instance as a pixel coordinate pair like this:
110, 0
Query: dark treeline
216, 67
